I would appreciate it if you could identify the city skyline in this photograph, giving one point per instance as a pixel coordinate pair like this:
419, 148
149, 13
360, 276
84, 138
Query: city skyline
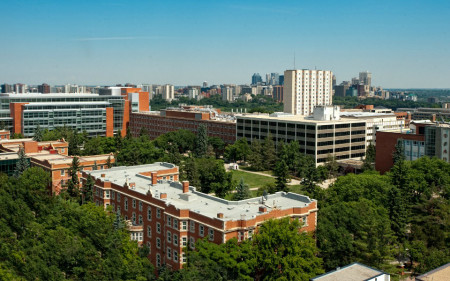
403, 44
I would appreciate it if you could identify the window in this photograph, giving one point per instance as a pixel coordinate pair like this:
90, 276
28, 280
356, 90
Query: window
211, 234
201, 230
158, 243
149, 213
149, 245
133, 218
63, 172
118, 209
183, 258
184, 225
141, 220
63, 150
175, 239
118, 197
112, 194
140, 206
149, 231
134, 203
158, 260
158, 213
192, 242
158, 227
184, 241
126, 204
192, 226
250, 234
107, 194
169, 237
169, 253
169, 221
175, 223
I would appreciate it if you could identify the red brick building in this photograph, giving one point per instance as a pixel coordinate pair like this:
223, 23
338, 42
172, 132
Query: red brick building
52, 156
189, 118
168, 215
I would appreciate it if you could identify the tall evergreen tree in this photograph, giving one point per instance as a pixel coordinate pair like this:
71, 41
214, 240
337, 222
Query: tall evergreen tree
95, 167
369, 160
282, 176
88, 190
269, 153
118, 139
201, 142
22, 163
399, 153
128, 135
38, 133
255, 157
242, 191
73, 185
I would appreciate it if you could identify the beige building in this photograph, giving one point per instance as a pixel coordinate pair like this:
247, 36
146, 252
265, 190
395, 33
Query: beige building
168, 92
305, 89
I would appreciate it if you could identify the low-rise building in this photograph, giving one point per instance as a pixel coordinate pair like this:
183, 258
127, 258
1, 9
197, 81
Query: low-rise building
52, 156
168, 215
423, 138
320, 135
185, 117
354, 272
441, 273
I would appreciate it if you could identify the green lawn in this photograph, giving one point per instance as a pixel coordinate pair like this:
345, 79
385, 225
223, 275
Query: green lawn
252, 180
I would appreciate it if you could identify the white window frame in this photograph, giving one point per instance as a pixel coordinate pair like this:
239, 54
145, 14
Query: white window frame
158, 227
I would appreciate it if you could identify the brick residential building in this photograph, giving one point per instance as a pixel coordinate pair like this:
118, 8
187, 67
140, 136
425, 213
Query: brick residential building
52, 156
189, 118
168, 215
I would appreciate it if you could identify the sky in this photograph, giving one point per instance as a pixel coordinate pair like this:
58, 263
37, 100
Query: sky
405, 44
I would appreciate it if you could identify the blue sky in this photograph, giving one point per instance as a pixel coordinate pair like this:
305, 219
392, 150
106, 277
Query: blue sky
403, 43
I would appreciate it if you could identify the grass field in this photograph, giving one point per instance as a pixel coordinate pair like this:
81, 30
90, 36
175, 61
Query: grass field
253, 180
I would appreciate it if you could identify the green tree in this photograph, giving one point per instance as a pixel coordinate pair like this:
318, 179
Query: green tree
201, 143
242, 191
255, 157
108, 162
88, 190
282, 253
22, 164
37, 133
331, 166
240, 150
354, 231
128, 135
73, 185
217, 144
269, 153
190, 172
369, 160
281, 172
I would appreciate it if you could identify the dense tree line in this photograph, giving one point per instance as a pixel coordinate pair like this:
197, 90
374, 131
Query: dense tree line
264, 104
350, 102
49, 238
375, 219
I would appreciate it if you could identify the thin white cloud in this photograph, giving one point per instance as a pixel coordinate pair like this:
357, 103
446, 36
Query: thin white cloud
117, 38
264, 9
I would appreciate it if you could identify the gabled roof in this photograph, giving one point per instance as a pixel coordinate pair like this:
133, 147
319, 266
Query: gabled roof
351, 272
441, 273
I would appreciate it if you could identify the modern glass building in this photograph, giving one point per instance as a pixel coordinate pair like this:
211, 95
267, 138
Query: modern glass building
23, 112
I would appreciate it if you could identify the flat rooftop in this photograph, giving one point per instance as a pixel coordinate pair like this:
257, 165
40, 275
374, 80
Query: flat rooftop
366, 114
198, 202
352, 272
297, 118
63, 159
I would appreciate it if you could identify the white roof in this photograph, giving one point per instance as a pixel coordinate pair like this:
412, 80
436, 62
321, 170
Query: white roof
196, 201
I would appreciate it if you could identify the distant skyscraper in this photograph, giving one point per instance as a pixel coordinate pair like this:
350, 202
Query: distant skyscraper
274, 79
281, 80
227, 93
44, 88
355, 81
6, 88
168, 92
365, 78
256, 78
205, 84
305, 89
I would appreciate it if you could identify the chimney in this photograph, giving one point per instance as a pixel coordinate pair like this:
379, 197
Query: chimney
220, 215
154, 178
185, 186
262, 209
103, 175
163, 196
433, 118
